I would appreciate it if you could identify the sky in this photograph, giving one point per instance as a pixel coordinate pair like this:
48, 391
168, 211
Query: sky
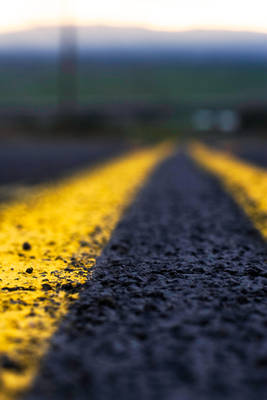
154, 14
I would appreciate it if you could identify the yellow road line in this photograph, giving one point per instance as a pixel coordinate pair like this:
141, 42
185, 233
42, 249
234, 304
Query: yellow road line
247, 183
48, 241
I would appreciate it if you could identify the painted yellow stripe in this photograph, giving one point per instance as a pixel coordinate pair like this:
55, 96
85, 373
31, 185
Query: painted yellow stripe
246, 183
65, 226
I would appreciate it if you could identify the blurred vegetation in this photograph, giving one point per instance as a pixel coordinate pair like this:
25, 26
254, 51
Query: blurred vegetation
136, 99
35, 82
172, 82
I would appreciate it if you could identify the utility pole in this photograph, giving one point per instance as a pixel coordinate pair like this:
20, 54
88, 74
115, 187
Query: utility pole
67, 80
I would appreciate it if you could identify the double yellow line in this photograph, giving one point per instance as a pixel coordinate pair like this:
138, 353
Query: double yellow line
50, 239
48, 243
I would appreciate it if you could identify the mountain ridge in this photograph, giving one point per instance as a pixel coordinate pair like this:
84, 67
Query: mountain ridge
102, 38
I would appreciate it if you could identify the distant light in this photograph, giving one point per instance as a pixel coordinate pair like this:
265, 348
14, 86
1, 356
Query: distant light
203, 120
222, 120
228, 121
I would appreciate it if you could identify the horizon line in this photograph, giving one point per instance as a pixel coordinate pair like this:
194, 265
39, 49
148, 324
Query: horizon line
152, 28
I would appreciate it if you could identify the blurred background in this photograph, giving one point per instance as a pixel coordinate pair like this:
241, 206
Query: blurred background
121, 72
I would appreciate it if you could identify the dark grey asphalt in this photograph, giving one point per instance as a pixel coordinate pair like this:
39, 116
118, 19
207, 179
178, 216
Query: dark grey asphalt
176, 308
30, 162
250, 150
253, 153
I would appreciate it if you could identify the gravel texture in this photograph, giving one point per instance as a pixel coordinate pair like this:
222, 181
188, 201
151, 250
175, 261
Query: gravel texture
175, 308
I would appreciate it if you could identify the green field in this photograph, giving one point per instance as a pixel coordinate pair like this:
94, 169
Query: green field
36, 83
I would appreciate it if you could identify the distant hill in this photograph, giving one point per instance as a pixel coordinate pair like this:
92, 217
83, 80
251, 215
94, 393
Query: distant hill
104, 39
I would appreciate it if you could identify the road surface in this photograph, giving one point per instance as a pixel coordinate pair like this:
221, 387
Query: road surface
174, 306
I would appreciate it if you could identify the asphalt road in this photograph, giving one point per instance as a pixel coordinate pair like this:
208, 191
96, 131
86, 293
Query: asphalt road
175, 308
253, 151
29, 162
